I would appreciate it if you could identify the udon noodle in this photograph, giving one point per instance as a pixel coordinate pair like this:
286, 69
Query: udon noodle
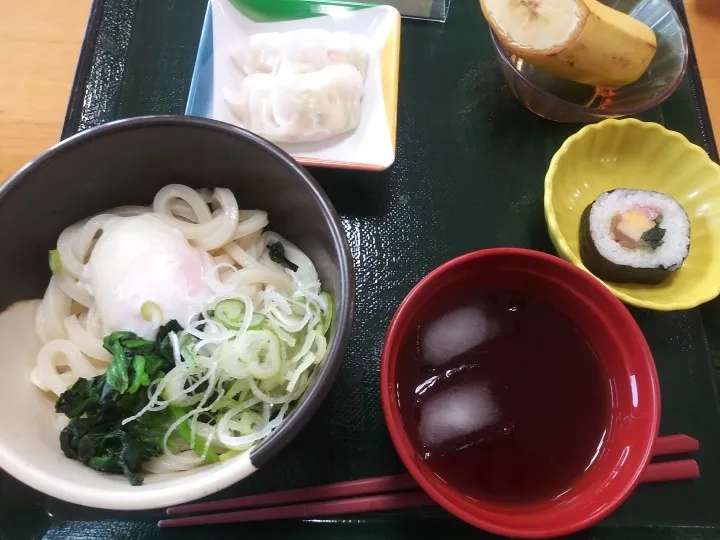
215, 372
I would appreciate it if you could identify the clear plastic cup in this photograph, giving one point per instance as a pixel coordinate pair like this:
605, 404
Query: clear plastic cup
562, 100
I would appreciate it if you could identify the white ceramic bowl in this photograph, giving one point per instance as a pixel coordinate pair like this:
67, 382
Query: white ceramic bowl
126, 162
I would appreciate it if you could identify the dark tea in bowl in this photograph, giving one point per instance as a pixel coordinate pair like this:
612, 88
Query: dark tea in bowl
519, 393
488, 389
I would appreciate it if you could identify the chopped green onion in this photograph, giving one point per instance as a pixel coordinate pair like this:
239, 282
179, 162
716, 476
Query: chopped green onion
151, 311
230, 313
237, 388
55, 260
185, 433
279, 333
259, 351
248, 422
229, 454
268, 385
257, 320
327, 314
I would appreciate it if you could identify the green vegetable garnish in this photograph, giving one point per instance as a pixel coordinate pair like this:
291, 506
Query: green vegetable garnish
230, 313
135, 361
277, 254
185, 433
229, 454
54, 260
150, 310
96, 407
653, 237
327, 316
257, 320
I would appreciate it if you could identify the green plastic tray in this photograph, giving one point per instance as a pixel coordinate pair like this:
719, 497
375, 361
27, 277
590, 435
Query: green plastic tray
469, 175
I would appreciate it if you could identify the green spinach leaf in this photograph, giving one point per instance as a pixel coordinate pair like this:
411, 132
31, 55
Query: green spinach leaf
96, 407
277, 254
654, 237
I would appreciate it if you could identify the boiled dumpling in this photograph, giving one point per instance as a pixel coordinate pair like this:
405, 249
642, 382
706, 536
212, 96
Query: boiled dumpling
302, 85
259, 53
300, 51
303, 107
348, 48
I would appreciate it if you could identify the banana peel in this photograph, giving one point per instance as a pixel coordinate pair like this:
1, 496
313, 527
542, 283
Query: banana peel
592, 44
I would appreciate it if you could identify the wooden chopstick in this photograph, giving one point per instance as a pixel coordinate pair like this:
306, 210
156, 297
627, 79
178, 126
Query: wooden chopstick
675, 444
682, 469
366, 486
382, 493
656, 472
355, 505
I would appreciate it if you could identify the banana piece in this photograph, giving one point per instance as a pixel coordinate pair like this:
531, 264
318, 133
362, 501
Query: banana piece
580, 40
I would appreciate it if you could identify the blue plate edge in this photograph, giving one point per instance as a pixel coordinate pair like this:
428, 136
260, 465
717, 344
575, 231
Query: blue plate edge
202, 87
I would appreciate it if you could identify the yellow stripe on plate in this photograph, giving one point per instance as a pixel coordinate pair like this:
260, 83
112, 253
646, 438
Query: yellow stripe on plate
389, 63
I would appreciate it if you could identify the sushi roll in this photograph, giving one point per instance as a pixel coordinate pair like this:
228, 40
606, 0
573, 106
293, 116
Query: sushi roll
634, 236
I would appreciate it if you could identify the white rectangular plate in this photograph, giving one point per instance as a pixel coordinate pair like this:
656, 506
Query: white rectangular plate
371, 146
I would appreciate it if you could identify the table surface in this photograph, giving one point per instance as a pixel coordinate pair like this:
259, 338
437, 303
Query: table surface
40, 41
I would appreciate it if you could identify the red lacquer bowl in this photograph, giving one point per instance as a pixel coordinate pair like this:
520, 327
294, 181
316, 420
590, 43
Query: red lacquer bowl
617, 342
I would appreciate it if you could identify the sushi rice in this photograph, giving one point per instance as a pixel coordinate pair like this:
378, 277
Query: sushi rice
612, 259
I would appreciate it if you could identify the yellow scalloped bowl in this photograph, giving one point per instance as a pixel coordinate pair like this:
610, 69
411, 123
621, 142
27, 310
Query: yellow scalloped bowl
640, 155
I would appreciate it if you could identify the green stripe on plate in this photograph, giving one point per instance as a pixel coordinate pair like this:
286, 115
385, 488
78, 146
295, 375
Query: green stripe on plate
285, 10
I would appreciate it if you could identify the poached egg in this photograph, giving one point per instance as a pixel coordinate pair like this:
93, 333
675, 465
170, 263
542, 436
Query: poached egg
141, 259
